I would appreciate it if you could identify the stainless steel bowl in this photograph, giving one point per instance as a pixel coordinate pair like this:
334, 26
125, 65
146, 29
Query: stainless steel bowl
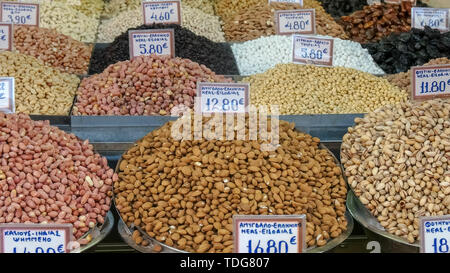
376, 232
97, 233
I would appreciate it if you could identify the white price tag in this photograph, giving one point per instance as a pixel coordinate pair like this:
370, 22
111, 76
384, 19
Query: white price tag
310, 50
7, 104
6, 36
398, 2
435, 234
434, 18
162, 12
151, 41
20, 13
269, 233
223, 97
429, 82
295, 21
35, 238
300, 2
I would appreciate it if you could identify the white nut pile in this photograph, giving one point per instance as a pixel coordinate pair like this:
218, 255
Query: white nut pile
259, 55
68, 21
396, 160
194, 19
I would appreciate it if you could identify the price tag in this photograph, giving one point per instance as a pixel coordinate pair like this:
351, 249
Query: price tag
7, 104
20, 13
435, 234
6, 36
269, 233
434, 18
295, 21
151, 41
429, 82
35, 238
310, 50
300, 2
162, 12
223, 97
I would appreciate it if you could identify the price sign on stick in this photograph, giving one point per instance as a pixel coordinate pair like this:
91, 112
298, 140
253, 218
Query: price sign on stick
35, 238
435, 234
269, 233
430, 82
20, 13
434, 18
223, 97
295, 21
7, 104
6, 36
300, 2
151, 41
310, 50
162, 12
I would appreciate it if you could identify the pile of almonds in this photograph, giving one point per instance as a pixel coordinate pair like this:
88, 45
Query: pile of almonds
259, 21
396, 160
50, 176
184, 193
375, 22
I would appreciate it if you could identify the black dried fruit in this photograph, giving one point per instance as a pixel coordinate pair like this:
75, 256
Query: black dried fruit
216, 56
338, 8
398, 52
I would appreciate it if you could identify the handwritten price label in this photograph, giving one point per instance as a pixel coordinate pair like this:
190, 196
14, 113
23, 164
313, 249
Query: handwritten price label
6, 36
162, 12
300, 2
269, 233
7, 104
434, 18
223, 97
20, 13
429, 82
35, 238
435, 234
151, 41
295, 21
310, 50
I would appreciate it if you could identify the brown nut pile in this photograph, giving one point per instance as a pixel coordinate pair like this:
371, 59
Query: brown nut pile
50, 176
397, 162
53, 48
259, 21
184, 193
146, 85
39, 89
375, 22
403, 79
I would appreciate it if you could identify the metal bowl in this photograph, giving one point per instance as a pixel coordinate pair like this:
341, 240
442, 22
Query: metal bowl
98, 233
126, 232
376, 232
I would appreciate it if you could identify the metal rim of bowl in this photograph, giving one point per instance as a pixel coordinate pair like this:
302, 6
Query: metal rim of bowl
104, 230
126, 233
354, 206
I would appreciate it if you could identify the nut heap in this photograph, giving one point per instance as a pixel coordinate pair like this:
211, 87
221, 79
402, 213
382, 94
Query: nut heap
53, 48
191, 18
403, 79
39, 89
184, 193
377, 21
308, 89
146, 85
249, 24
50, 176
397, 162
